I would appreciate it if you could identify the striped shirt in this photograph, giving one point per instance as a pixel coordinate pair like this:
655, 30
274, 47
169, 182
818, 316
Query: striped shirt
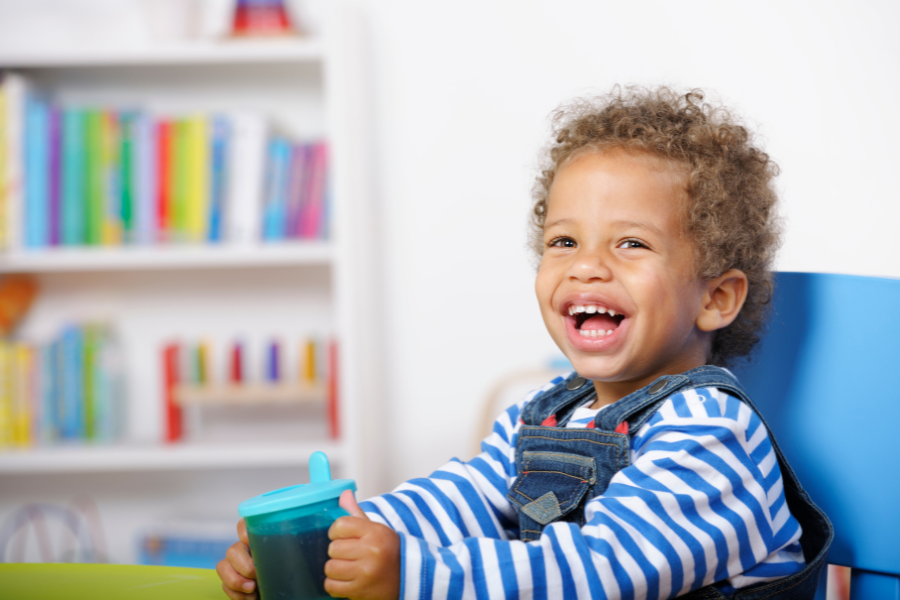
701, 502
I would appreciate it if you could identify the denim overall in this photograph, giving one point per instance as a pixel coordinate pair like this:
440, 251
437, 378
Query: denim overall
560, 469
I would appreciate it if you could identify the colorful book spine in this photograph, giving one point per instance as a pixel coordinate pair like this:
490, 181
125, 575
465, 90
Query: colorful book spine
296, 189
315, 192
74, 185
178, 193
164, 144
275, 208
49, 423
37, 169
127, 174
94, 186
72, 384
4, 132
219, 179
6, 411
22, 393
145, 180
112, 196
55, 177
172, 416
198, 167
16, 90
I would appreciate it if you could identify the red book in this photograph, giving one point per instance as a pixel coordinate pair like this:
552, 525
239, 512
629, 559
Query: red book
170, 380
333, 412
163, 174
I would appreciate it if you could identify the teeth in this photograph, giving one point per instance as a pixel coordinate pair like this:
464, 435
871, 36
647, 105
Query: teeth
594, 333
609, 332
590, 309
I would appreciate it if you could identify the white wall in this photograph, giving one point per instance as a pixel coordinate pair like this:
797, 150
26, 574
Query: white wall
462, 92
464, 89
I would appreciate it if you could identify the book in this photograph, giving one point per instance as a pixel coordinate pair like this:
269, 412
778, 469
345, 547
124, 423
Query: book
246, 180
22, 390
3, 152
179, 180
127, 174
219, 177
6, 410
16, 90
197, 169
37, 172
315, 192
74, 186
275, 206
55, 177
94, 185
71, 374
172, 411
49, 389
146, 188
110, 166
297, 189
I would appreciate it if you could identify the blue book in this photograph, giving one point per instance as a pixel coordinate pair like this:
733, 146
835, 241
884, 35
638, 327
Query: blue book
74, 192
37, 173
275, 207
50, 392
71, 384
219, 171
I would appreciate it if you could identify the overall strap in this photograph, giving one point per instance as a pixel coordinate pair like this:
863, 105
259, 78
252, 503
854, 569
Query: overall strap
637, 407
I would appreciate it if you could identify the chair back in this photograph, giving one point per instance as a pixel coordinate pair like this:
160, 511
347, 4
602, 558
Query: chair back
827, 379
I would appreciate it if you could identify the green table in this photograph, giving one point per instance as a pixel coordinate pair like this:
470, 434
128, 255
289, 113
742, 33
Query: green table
29, 581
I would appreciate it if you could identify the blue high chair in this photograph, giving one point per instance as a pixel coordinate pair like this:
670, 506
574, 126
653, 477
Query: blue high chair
827, 379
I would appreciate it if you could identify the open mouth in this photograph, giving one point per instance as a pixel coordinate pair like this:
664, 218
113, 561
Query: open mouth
595, 321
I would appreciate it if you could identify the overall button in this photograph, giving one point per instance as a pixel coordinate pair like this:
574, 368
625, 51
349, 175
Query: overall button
574, 384
658, 386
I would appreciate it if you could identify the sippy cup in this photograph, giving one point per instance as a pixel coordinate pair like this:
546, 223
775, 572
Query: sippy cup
288, 530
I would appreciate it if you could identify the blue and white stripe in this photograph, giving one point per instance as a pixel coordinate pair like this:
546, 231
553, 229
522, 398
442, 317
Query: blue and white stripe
702, 501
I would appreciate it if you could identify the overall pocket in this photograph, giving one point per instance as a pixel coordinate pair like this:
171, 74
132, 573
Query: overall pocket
550, 485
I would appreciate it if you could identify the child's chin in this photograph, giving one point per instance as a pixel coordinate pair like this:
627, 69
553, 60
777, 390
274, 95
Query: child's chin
596, 369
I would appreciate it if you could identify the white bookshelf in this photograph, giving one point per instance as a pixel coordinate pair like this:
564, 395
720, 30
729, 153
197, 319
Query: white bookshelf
226, 52
310, 88
131, 258
169, 457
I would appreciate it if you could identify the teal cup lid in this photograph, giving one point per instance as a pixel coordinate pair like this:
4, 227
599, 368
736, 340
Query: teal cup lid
320, 487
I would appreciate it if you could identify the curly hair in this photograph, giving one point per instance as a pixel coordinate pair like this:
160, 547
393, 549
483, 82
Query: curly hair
731, 215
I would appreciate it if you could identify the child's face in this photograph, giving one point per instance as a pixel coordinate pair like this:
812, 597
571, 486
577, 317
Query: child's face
613, 245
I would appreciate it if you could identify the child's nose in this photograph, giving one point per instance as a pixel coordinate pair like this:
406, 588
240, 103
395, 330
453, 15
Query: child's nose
591, 265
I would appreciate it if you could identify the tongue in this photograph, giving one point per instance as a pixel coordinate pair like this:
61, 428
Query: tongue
600, 322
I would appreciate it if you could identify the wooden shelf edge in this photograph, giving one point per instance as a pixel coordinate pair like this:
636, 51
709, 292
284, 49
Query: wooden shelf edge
169, 457
249, 394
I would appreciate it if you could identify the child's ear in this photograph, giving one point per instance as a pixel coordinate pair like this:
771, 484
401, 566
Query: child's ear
722, 301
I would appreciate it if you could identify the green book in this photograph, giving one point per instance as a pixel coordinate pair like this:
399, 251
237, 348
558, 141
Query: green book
126, 174
72, 209
181, 178
90, 382
94, 183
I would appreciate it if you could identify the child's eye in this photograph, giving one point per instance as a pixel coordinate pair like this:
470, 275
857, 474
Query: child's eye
562, 242
631, 244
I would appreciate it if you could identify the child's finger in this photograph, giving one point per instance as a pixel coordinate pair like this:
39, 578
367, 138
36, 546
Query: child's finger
346, 549
238, 555
347, 501
348, 527
341, 570
242, 532
340, 589
234, 581
237, 595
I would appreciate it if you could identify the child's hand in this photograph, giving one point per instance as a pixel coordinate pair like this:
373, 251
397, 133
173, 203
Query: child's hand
365, 557
236, 570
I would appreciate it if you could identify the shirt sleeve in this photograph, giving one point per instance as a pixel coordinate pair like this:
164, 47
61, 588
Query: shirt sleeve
702, 502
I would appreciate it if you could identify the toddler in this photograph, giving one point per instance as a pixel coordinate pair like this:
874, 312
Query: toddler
647, 472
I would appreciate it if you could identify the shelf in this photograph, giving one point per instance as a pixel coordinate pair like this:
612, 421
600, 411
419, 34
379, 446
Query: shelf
174, 457
213, 395
196, 53
128, 258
